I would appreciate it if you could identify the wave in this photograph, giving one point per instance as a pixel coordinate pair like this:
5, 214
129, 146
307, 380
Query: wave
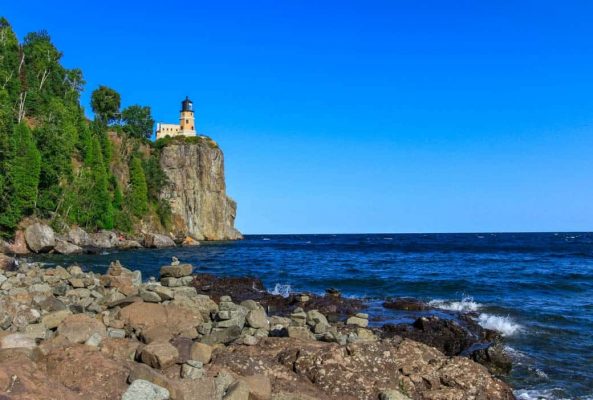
505, 325
543, 394
466, 304
281, 290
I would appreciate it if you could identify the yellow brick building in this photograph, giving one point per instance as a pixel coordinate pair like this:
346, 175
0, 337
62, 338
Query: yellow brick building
186, 126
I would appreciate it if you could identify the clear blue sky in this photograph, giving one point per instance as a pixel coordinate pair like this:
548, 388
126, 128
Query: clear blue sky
369, 116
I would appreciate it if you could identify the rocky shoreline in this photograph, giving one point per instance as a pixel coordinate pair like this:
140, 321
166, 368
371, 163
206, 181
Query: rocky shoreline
40, 238
70, 334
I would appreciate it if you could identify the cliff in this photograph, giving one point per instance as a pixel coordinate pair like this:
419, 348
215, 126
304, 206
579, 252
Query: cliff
196, 190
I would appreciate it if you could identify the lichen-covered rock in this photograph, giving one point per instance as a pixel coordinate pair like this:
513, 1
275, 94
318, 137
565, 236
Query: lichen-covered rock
40, 238
144, 390
197, 191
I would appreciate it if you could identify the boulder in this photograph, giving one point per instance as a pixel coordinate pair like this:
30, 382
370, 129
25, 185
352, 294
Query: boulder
128, 244
361, 370
86, 371
260, 387
40, 238
300, 332
406, 304
33, 383
78, 236
192, 369
143, 317
63, 247
17, 340
359, 319
7, 263
143, 371
176, 271
393, 395
189, 241
103, 239
159, 355
19, 245
258, 319
155, 240
201, 352
144, 390
238, 390
79, 328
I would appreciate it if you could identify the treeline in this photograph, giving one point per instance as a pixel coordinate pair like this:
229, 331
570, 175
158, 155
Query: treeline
55, 164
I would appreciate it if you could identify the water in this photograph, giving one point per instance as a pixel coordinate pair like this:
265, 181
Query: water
537, 289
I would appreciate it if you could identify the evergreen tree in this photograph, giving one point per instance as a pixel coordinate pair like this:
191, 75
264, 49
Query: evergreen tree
22, 177
138, 188
9, 62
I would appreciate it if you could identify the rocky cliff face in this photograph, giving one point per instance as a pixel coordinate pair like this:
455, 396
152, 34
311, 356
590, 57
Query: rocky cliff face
197, 191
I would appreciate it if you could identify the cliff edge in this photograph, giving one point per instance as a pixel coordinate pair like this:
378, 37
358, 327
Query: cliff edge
196, 190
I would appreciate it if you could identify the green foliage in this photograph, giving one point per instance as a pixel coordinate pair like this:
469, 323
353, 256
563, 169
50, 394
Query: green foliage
56, 137
9, 62
138, 197
138, 121
57, 165
22, 177
163, 210
167, 140
105, 103
155, 177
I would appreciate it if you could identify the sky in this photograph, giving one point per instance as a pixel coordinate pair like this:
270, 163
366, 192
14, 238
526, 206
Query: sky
361, 116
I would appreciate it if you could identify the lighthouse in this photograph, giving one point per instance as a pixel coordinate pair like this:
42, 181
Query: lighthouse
186, 126
186, 119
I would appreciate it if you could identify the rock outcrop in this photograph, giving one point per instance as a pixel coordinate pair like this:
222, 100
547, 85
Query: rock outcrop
70, 334
197, 191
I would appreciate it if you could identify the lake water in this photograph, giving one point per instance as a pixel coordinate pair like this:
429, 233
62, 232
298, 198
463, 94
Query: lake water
535, 288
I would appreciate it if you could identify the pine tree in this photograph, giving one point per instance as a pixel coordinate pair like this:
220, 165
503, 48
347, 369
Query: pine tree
23, 171
138, 188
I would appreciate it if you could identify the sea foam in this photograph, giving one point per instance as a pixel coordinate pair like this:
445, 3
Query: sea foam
466, 304
543, 394
505, 325
281, 290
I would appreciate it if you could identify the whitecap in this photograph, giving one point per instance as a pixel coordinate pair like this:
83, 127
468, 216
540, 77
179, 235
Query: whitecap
282, 290
505, 325
533, 394
516, 355
466, 304
265, 239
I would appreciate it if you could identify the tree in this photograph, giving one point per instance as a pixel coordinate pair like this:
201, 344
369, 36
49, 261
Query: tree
138, 189
105, 103
9, 61
138, 121
22, 177
156, 178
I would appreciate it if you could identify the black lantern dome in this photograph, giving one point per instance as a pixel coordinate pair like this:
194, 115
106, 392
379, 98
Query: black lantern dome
187, 105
